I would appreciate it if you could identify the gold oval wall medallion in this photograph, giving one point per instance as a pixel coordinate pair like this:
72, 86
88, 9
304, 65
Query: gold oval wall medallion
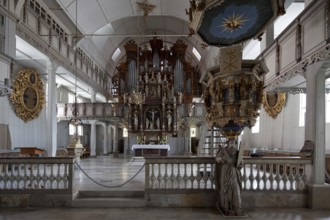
273, 103
28, 96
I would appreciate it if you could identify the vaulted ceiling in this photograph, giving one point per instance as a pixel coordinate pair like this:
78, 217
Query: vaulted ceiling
107, 25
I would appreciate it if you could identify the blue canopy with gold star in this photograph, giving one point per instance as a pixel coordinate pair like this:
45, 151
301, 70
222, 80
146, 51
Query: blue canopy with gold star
235, 21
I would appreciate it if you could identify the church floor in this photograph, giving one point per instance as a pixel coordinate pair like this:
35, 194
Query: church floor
155, 213
110, 172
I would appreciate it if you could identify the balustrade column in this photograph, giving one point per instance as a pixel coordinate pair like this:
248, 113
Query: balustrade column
51, 107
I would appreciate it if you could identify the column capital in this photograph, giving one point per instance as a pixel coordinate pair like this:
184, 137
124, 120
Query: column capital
52, 65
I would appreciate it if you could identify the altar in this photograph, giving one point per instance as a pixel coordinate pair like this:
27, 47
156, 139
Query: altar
150, 149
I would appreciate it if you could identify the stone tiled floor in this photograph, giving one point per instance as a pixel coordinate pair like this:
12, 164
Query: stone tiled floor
156, 213
110, 172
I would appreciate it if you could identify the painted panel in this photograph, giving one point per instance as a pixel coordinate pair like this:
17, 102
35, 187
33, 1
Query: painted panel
98, 109
270, 61
313, 31
32, 21
288, 52
55, 42
89, 109
64, 49
107, 110
71, 56
44, 30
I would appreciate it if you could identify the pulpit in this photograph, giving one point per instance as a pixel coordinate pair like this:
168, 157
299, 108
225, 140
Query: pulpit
141, 150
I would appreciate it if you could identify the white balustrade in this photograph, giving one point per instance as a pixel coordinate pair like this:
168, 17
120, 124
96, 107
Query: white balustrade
276, 173
36, 173
179, 173
163, 173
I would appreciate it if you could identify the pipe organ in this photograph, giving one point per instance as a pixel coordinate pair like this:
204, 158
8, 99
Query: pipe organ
152, 80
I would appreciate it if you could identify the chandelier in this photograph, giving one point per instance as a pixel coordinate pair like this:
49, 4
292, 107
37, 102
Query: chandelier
75, 148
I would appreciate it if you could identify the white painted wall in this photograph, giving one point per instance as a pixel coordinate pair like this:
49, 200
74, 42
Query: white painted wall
62, 134
283, 132
30, 134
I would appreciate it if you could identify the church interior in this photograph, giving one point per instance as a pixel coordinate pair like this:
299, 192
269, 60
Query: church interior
147, 105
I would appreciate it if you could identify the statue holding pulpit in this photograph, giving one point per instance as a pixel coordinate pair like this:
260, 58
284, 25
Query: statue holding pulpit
229, 179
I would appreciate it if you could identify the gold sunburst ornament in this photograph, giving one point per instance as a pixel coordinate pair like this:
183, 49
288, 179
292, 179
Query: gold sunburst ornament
233, 22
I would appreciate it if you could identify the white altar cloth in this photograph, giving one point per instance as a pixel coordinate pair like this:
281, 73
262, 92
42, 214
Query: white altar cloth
151, 146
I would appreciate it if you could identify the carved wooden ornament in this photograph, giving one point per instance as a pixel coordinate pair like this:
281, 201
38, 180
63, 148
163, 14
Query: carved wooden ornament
28, 96
273, 103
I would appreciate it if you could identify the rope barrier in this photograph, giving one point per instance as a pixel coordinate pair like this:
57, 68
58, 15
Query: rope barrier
100, 184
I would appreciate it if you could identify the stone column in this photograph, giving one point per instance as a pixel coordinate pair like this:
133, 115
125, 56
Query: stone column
93, 138
126, 146
51, 107
115, 142
319, 151
105, 139
93, 96
110, 145
315, 131
310, 118
327, 12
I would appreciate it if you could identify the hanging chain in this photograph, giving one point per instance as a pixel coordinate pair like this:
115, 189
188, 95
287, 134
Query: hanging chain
100, 184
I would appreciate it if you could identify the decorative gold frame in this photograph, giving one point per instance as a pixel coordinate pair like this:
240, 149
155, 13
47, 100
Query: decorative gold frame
27, 81
273, 109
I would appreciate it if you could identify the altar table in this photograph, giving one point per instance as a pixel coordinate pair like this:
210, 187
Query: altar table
150, 149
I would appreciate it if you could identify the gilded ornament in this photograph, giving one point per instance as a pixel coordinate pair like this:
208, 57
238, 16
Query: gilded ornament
28, 96
146, 7
273, 103
233, 22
